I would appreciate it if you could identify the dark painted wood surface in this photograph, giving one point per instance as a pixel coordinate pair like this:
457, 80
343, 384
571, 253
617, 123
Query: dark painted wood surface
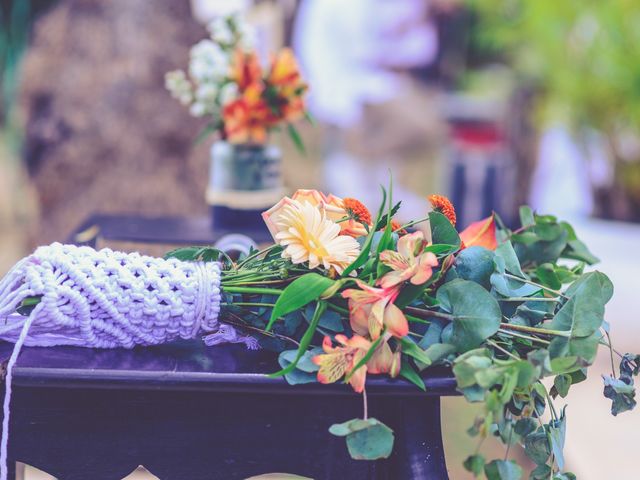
190, 412
165, 230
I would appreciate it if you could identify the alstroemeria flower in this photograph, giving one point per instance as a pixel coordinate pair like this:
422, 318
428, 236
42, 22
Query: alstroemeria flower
410, 262
371, 309
339, 361
246, 118
245, 69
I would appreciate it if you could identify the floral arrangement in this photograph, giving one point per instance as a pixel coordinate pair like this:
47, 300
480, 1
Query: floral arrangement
227, 84
343, 295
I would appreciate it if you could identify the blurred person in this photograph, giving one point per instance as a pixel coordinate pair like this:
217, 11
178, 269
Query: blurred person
357, 57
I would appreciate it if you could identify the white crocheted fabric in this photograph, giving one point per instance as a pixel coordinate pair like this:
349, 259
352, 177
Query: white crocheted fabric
110, 299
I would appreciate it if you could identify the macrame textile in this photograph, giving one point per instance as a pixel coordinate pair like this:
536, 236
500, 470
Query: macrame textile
107, 299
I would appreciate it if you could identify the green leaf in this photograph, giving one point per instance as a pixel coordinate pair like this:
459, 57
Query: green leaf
382, 223
576, 249
557, 433
475, 264
442, 232
536, 447
300, 292
503, 470
185, 254
621, 392
208, 129
583, 313
366, 439
366, 247
409, 347
525, 426
541, 472
547, 276
296, 139
526, 216
474, 464
410, 374
562, 383
476, 314
363, 361
305, 368
304, 341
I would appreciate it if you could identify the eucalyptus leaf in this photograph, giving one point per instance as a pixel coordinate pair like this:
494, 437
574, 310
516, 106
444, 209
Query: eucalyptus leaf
476, 314
503, 470
366, 439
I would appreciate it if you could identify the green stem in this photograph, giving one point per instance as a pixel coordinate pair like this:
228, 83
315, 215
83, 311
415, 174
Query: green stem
528, 299
249, 304
525, 337
426, 314
412, 223
257, 290
539, 331
530, 282
503, 350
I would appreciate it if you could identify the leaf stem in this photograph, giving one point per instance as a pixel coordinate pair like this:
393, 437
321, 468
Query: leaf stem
525, 337
528, 299
535, 284
539, 331
257, 290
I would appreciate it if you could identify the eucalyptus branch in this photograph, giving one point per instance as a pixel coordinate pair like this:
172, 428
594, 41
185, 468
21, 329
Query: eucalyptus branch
535, 284
538, 331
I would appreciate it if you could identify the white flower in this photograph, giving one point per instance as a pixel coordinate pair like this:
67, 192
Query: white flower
207, 93
198, 109
208, 62
247, 36
221, 32
307, 235
179, 86
228, 93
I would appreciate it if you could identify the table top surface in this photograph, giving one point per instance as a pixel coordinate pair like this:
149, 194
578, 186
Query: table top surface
186, 365
191, 230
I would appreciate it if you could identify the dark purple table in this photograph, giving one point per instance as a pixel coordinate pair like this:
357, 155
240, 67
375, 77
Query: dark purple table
190, 412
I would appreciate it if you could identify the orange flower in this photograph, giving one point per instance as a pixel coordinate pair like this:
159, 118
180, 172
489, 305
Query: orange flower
443, 205
481, 233
246, 119
410, 262
370, 309
396, 227
285, 74
339, 361
245, 69
357, 210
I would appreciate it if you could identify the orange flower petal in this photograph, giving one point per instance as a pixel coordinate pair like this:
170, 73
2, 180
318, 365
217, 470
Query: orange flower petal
481, 233
395, 321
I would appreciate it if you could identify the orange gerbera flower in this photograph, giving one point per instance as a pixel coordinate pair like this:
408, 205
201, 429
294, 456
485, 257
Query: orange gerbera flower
357, 210
397, 228
443, 205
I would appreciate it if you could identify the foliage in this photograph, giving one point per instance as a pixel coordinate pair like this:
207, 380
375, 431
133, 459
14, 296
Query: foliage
502, 319
560, 44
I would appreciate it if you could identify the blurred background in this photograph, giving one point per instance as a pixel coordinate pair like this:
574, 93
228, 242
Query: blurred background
494, 103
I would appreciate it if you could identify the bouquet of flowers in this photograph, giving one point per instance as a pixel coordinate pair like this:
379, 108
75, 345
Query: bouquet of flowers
227, 84
342, 295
